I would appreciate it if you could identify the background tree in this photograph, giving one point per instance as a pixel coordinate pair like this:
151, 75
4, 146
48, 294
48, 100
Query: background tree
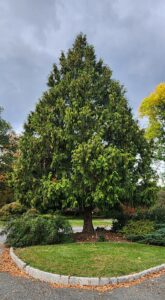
81, 146
153, 107
8, 145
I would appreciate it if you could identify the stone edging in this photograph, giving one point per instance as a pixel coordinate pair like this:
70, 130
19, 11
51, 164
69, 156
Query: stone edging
73, 280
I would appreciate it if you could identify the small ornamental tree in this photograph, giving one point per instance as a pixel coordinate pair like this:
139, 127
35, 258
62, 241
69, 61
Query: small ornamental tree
153, 107
81, 146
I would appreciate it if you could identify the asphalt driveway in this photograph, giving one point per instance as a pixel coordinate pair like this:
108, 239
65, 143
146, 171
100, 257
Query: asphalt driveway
16, 288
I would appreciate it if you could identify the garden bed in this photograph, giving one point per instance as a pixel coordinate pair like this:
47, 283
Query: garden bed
93, 259
105, 234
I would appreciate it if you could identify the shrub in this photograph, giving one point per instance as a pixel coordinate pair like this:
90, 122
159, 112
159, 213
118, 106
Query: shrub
39, 230
32, 212
11, 209
121, 214
138, 228
101, 238
155, 238
120, 221
157, 214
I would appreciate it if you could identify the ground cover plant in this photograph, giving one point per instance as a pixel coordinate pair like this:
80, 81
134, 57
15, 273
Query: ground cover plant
156, 237
93, 259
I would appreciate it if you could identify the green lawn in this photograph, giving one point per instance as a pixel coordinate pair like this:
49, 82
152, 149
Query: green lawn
96, 222
93, 259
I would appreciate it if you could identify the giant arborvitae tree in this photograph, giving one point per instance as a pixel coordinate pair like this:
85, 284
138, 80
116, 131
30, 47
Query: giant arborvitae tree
81, 146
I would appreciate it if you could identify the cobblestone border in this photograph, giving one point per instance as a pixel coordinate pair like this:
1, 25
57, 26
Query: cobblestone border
73, 280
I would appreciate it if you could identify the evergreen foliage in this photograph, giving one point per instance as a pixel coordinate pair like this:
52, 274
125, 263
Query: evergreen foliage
29, 230
81, 146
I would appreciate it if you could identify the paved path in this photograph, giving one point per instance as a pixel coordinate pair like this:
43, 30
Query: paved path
2, 238
80, 228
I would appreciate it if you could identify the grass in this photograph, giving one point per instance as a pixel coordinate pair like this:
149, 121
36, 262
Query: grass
93, 259
76, 222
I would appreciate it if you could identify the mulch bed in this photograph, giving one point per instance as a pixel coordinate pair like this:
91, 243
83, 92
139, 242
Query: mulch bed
107, 234
7, 265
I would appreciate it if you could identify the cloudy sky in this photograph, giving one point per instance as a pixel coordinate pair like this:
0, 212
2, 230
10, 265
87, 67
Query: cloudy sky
128, 35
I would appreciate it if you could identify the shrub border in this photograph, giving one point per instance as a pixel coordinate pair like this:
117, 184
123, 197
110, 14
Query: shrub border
74, 280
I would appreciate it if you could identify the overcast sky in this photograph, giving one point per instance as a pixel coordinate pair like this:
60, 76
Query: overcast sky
128, 34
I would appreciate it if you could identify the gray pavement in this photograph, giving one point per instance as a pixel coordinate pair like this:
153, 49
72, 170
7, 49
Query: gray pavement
16, 288
80, 228
2, 238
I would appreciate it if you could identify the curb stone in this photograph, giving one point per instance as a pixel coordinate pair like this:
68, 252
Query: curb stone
74, 280
20, 263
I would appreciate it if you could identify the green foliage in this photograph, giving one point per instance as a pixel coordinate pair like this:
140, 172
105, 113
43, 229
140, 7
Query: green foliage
138, 228
39, 230
145, 231
156, 214
32, 212
4, 142
101, 238
12, 209
160, 202
155, 238
81, 146
120, 219
8, 146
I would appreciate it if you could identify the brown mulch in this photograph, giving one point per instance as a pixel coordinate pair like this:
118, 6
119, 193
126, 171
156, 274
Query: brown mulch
7, 265
91, 238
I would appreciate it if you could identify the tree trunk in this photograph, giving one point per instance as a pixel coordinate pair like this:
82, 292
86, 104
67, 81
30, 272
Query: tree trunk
88, 225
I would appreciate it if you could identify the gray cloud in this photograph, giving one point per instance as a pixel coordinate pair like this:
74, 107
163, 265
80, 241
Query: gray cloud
128, 35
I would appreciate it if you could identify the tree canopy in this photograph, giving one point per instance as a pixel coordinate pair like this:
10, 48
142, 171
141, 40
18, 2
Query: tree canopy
153, 107
7, 150
81, 146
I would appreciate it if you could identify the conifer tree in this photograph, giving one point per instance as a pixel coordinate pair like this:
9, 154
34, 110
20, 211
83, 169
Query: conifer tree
81, 146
